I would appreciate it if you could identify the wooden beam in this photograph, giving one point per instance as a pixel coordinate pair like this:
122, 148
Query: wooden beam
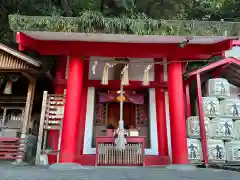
49, 76
188, 102
236, 42
29, 103
201, 120
40, 132
30, 78
15, 70
28, 110
214, 65
216, 73
115, 84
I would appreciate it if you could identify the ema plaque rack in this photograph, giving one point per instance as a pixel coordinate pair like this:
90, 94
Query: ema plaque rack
51, 119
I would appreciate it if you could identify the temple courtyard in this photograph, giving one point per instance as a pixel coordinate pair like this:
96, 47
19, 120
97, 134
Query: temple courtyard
12, 172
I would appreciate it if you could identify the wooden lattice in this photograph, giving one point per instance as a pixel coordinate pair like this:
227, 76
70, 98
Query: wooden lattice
141, 115
109, 155
100, 113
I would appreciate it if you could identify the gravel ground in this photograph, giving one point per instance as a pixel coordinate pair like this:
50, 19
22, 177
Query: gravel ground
11, 172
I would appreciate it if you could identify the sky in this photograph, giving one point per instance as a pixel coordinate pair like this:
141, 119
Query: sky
234, 52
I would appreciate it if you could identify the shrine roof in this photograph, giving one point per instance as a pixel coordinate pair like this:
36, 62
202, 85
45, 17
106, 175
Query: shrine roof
15, 58
228, 68
123, 38
123, 45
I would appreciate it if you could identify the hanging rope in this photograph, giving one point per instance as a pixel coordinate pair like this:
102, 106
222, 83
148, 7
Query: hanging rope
121, 123
120, 141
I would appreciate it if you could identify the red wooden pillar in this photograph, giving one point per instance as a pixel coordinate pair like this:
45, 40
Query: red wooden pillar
69, 140
177, 114
188, 102
201, 120
161, 112
59, 87
83, 107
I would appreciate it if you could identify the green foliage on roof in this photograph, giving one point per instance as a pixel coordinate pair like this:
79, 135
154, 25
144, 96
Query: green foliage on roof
95, 22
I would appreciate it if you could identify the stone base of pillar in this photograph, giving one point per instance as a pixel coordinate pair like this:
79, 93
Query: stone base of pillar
182, 167
20, 162
66, 166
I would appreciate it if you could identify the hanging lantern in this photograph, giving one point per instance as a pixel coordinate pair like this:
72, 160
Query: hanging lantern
8, 87
105, 74
125, 77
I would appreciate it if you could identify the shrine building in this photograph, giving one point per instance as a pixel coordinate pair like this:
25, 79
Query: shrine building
89, 72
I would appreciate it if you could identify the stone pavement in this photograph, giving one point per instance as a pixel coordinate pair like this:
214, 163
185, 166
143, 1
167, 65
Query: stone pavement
11, 172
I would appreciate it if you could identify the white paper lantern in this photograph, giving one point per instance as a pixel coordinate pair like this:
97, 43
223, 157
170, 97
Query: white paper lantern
194, 150
218, 87
221, 128
193, 126
230, 108
233, 151
210, 107
216, 150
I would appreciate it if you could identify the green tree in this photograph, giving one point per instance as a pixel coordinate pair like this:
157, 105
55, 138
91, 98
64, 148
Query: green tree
228, 10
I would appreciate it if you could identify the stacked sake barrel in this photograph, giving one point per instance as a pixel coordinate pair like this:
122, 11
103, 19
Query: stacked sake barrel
230, 109
193, 141
221, 113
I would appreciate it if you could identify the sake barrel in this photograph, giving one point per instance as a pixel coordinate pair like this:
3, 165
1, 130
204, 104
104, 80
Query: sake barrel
233, 151
216, 150
210, 106
221, 128
194, 150
218, 87
236, 126
230, 108
193, 126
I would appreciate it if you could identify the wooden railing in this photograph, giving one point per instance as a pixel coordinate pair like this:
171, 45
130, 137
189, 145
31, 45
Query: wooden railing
11, 148
107, 154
